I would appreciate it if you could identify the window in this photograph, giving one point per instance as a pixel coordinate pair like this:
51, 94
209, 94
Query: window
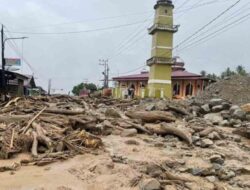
176, 89
189, 89
166, 11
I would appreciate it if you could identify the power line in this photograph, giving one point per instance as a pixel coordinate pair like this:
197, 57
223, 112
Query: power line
184, 3
217, 32
80, 31
87, 20
206, 25
241, 10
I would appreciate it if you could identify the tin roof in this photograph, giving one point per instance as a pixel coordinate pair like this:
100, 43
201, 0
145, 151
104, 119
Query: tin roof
178, 74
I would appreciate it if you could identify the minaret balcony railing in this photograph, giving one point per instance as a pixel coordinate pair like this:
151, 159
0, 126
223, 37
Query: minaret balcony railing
163, 27
160, 60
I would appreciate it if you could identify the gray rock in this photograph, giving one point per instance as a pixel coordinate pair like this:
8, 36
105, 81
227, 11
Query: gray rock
212, 179
215, 118
154, 170
225, 123
233, 122
226, 175
233, 108
150, 107
216, 159
214, 136
205, 109
226, 106
248, 117
129, 133
239, 114
150, 184
217, 166
195, 139
216, 101
217, 108
225, 114
205, 143
196, 171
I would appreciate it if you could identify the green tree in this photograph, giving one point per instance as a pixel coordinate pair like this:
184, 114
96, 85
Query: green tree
241, 70
90, 86
203, 73
227, 73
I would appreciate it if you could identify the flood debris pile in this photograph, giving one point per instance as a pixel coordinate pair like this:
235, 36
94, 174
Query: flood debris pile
46, 127
168, 144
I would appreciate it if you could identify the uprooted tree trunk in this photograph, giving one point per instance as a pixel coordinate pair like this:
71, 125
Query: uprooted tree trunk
151, 116
165, 129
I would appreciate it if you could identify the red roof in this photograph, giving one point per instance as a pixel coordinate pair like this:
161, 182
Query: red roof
178, 74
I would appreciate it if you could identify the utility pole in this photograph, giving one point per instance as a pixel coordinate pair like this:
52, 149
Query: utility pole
49, 86
104, 63
3, 83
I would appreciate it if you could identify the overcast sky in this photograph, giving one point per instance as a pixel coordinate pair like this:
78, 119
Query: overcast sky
69, 59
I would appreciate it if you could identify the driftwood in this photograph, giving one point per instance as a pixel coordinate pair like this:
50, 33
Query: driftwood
164, 129
14, 118
12, 101
64, 112
34, 144
151, 116
40, 134
138, 127
207, 131
178, 110
33, 119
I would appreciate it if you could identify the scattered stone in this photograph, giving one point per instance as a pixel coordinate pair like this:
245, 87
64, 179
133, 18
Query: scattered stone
217, 108
215, 118
154, 171
214, 136
239, 114
225, 114
205, 143
226, 106
248, 117
205, 109
234, 108
132, 142
216, 101
225, 123
195, 139
212, 179
226, 175
129, 132
170, 187
150, 184
216, 159
150, 107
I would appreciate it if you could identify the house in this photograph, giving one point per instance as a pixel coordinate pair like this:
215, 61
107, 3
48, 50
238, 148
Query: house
14, 83
184, 83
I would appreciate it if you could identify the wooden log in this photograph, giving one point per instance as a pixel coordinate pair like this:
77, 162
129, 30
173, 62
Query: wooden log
34, 144
32, 120
138, 127
41, 137
178, 110
164, 129
207, 131
12, 101
64, 112
14, 118
151, 116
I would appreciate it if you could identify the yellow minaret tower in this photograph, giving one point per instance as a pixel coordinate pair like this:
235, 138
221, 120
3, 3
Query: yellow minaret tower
160, 63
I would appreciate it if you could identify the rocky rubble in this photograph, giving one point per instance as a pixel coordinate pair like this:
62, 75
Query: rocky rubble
197, 146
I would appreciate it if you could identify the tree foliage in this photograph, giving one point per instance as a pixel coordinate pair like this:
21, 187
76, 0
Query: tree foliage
89, 86
240, 70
